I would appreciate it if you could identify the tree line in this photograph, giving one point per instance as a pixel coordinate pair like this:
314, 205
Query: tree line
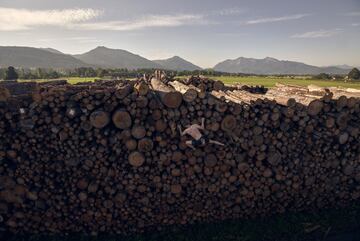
41, 73
11, 73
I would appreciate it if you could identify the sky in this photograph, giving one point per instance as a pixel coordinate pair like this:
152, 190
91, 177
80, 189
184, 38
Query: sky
317, 32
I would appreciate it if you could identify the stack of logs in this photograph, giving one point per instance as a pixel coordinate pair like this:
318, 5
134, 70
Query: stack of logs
205, 84
108, 157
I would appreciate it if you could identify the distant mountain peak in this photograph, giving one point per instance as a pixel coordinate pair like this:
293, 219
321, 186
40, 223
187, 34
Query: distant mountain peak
116, 58
55, 51
271, 59
175, 57
177, 63
101, 47
343, 66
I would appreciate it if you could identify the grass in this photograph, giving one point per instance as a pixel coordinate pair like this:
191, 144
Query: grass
71, 80
266, 81
74, 80
289, 227
271, 81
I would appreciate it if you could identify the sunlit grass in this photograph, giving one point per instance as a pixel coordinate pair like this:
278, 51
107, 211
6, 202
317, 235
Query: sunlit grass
71, 80
271, 81
251, 80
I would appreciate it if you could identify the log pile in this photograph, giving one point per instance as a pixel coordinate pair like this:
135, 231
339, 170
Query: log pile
108, 157
205, 84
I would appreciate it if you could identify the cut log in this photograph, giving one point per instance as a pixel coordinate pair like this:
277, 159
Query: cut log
99, 119
228, 123
169, 97
123, 91
138, 132
136, 159
145, 145
176, 188
218, 85
122, 119
4, 94
142, 88
315, 107
131, 144
189, 92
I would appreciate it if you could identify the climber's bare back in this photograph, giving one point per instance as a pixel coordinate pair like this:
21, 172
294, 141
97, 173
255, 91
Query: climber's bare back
193, 131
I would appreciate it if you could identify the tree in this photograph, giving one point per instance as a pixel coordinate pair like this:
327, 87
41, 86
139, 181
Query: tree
323, 76
354, 74
2, 73
101, 72
11, 74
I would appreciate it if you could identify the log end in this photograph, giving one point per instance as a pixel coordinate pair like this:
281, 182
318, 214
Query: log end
172, 99
122, 119
136, 159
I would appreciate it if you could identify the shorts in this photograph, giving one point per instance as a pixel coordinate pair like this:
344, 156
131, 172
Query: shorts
201, 142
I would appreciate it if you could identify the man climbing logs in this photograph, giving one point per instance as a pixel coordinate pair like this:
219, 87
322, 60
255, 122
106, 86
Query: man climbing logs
198, 138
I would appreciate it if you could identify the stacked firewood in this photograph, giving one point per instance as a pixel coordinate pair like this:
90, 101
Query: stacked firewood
109, 157
258, 89
203, 83
206, 84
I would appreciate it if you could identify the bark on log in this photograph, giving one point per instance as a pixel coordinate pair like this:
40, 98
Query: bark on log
169, 97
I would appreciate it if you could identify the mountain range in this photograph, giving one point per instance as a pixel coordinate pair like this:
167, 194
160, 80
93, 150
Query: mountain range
28, 57
270, 65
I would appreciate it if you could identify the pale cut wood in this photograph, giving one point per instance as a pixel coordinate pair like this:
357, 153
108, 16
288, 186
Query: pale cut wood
189, 92
168, 95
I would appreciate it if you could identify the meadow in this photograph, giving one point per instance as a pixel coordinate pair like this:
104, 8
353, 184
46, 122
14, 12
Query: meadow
252, 80
271, 81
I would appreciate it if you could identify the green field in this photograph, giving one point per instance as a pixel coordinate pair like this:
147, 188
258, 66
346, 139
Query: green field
271, 81
265, 81
71, 80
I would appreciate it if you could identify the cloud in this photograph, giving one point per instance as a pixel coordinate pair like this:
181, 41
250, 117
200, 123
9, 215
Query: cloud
12, 19
276, 19
355, 24
229, 11
352, 14
318, 34
72, 39
144, 22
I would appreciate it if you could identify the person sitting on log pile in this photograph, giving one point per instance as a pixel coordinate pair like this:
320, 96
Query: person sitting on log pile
198, 138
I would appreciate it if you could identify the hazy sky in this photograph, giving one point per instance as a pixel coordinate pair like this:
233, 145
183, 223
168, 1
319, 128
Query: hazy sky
319, 32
